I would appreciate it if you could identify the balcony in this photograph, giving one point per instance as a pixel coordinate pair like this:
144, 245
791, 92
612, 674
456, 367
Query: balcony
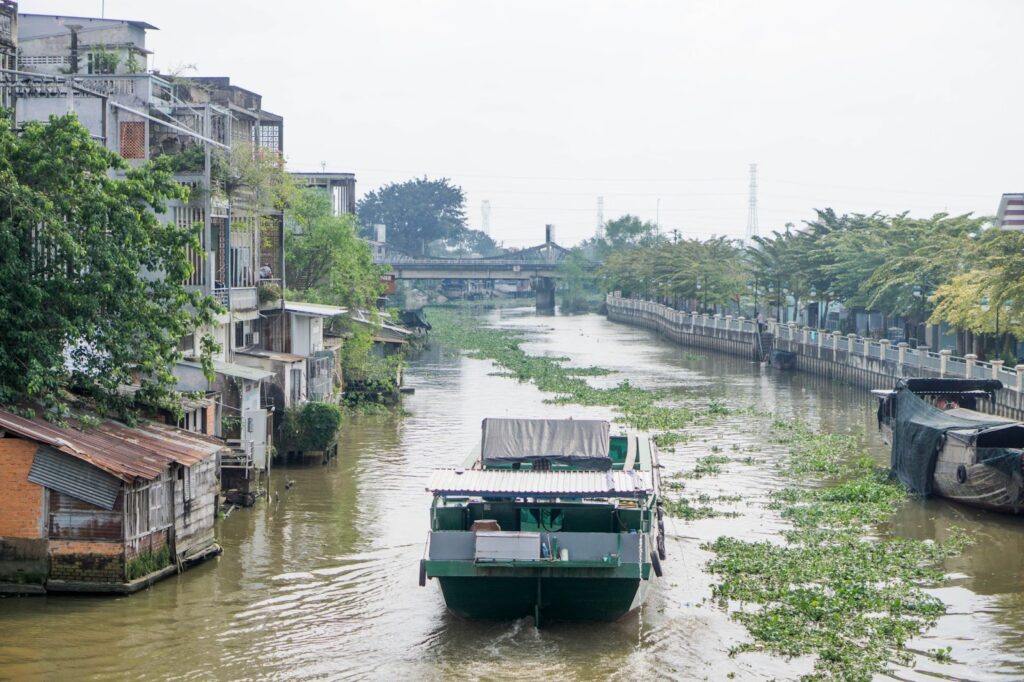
242, 298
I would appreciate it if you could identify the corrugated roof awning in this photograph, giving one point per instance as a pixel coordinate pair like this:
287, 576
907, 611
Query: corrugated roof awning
232, 369
66, 474
496, 483
129, 453
315, 309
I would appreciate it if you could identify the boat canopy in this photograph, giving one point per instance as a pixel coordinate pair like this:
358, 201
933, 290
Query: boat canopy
511, 483
920, 430
926, 386
580, 443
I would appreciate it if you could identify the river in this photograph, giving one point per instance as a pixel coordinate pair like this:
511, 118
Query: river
320, 581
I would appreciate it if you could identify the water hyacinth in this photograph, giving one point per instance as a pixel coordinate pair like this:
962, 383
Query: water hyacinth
834, 589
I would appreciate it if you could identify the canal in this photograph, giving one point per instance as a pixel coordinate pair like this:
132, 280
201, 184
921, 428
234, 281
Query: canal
320, 581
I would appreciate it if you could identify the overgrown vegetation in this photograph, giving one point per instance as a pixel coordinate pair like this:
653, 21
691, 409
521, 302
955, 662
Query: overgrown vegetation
312, 426
637, 407
148, 562
833, 589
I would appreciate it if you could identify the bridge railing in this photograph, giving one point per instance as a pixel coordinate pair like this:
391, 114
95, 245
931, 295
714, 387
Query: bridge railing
828, 343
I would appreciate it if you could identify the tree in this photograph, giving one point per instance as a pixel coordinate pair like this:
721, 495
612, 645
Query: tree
91, 281
467, 242
416, 212
629, 232
325, 259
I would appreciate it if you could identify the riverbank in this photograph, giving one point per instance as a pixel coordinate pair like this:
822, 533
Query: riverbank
832, 588
850, 359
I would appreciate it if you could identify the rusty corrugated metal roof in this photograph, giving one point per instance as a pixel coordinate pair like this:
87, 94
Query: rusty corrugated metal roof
541, 483
127, 452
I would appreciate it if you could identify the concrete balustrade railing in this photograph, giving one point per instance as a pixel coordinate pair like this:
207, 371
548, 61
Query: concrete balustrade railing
877, 357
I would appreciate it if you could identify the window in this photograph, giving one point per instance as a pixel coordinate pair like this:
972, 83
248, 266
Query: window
187, 344
102, 62
133, 139
296, 385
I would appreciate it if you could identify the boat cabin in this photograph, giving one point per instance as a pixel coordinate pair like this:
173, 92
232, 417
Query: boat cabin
538, 487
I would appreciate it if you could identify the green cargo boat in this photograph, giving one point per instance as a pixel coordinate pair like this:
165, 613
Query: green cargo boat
554, 519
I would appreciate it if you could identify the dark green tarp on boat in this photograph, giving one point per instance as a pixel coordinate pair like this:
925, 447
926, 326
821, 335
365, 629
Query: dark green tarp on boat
919, 429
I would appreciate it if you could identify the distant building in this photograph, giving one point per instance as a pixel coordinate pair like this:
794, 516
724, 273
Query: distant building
1010, 215
340, 186
106, 508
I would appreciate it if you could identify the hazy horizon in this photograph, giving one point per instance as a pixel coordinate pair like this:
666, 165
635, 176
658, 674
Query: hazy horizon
542, 107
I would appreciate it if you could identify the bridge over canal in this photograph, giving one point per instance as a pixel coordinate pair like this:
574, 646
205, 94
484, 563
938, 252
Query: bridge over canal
539, 264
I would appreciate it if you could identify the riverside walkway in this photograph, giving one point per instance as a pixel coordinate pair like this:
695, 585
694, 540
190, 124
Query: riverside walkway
849, 358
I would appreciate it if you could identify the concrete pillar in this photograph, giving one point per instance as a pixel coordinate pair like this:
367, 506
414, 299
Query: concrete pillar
997, 367
704, 320
728, 322
693, 321
1020, 378
545, 290
902, 348
944, 361
740, 322
850, 340
969, 360
715, 320
791, 331
883, 348
821, 342
804, 334
867, 346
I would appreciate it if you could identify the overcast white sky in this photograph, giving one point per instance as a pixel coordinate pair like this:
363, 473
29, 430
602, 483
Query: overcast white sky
541, 106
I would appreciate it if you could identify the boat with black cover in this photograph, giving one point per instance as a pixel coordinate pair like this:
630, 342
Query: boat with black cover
944, 443
549, 519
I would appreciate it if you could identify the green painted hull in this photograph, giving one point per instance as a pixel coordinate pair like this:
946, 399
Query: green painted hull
503, 598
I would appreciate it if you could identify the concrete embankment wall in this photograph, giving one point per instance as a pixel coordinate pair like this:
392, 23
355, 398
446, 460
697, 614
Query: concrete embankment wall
850, 359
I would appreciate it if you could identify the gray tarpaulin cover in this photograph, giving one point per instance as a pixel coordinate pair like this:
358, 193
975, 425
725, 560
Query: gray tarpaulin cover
576, 442
917, 434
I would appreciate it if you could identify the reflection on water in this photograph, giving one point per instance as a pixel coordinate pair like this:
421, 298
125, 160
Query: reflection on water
320, 580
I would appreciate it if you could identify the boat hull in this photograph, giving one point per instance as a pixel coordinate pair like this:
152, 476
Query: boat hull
959, 477
562, 599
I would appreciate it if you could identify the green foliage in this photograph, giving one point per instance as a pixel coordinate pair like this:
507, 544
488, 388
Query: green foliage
709, 273
577, 285
269, 292
630, 232
148, 562
833, 590
87, 268
311, 426
325, 259
416, 212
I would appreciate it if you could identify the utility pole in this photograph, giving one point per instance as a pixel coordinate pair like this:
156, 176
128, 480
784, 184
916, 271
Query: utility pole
752, 210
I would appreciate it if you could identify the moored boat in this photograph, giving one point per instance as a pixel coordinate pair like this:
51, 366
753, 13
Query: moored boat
554, 519
943, 444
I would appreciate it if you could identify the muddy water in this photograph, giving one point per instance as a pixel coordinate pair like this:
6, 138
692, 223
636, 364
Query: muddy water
320, 581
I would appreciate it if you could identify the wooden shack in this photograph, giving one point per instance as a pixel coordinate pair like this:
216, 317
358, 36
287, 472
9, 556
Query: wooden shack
107, 508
